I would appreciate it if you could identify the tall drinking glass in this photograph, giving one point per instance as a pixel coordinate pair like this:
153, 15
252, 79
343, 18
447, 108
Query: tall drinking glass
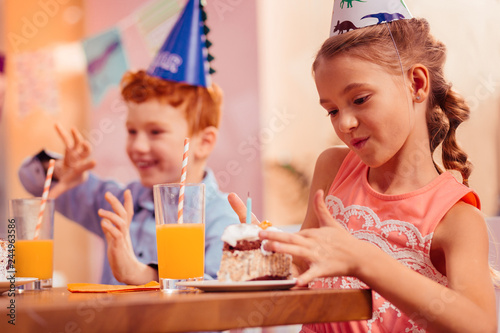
181, 246
33, 255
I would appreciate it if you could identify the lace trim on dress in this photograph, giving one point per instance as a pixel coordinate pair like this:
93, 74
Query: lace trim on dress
400, 239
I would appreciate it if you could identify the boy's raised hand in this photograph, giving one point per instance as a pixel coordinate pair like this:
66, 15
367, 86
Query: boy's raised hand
240, 208
116, 227
72, 170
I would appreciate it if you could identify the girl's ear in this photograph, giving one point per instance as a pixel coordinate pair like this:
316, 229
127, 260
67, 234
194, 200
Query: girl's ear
419, 80
206, 140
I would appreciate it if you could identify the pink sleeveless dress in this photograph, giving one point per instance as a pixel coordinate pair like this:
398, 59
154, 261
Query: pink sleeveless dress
401, 225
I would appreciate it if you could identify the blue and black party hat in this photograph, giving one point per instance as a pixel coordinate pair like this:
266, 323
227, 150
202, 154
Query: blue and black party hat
184, 56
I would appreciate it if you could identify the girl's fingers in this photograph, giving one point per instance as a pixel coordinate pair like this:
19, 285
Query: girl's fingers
311, 233
282, 237
324, 216
240, 208
306, 277
293, 244
296, 251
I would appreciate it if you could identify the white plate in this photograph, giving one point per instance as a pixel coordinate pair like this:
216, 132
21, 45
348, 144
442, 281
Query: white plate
5, 284
215, 285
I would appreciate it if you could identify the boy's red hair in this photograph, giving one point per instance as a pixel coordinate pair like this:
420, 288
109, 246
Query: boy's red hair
202, 106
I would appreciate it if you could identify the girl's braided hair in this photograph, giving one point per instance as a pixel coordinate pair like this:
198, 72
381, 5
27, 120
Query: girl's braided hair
446, 109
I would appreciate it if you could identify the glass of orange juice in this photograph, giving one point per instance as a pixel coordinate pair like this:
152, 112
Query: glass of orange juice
180, 233
33, 249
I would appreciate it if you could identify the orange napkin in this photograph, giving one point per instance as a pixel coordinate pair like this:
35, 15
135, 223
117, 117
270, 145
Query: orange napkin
109, 288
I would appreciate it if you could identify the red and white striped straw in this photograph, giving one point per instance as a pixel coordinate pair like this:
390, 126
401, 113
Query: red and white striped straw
45, 195
180, 209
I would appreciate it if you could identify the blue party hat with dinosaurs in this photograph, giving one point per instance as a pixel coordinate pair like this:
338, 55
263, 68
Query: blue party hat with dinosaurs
184, 56
354, 14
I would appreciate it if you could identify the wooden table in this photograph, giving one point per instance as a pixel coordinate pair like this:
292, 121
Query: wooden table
58, 310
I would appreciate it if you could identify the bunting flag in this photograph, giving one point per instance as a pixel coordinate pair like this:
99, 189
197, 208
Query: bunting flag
106, 62
155, 20
36, 82
103, 55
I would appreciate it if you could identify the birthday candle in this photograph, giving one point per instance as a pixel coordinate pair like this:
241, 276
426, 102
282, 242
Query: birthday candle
249, 209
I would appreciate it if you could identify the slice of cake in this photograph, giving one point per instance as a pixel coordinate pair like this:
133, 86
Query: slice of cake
244, 257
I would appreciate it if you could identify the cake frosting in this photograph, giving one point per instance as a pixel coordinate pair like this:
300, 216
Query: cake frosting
245, 232
245, 259
236, 232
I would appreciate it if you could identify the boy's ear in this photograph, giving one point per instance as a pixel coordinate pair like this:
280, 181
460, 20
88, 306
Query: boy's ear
419, 78
206, 142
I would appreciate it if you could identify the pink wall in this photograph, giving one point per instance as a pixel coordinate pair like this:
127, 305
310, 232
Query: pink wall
236, 160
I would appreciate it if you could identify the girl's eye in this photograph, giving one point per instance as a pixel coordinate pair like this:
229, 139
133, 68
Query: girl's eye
131, 131
361, 100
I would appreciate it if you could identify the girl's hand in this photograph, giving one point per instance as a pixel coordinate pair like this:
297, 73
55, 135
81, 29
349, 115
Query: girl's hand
116, 228
327, 251
72, 170
240, 208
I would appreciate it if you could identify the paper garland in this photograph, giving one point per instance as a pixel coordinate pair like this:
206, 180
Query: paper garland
36, 83
106, 60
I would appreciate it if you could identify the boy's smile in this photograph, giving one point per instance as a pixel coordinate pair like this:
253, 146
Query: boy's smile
155, 142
